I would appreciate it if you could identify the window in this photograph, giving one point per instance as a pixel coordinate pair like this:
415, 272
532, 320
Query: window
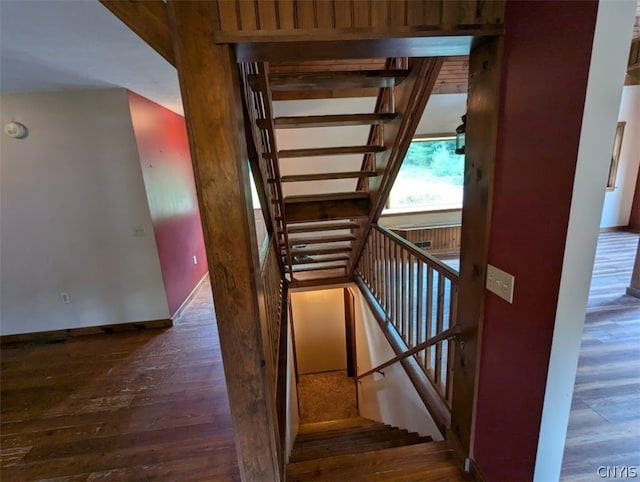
431, 177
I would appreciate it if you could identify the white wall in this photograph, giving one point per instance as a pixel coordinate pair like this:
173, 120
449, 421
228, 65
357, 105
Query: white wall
617, 203
71, 194
391, 398
604, 88
318, 319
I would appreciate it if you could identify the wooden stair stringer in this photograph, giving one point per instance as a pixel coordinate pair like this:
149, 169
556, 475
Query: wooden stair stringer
411, 98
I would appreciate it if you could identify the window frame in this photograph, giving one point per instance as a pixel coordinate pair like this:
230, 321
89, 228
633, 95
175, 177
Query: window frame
390, 211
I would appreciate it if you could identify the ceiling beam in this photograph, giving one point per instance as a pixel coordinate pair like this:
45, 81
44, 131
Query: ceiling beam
149, 20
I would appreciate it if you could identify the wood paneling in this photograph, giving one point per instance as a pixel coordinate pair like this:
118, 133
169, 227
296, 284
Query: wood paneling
219, 154
454, 76
433, 239
341, 19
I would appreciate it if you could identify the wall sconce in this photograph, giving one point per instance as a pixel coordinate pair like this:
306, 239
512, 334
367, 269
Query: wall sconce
16, 130
461, 135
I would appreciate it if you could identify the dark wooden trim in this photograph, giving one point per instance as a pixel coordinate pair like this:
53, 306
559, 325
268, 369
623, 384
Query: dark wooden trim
149, 20
319, 283
428, 394
485, 70
54, 336
350, 332
213, 111
615, 229
281, 379
302, 212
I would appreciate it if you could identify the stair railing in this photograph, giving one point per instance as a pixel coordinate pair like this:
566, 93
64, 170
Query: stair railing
450, 334
418, 296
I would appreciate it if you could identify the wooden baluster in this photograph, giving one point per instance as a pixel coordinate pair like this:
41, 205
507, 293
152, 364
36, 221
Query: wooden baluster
397, 282
400, 283
420, 319
403, 295
451, 344
412, 302
379, 266
439, 329
429, 306
372, 266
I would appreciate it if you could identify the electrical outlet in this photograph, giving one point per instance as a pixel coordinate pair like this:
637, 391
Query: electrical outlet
195, 259
500, 282
66, 299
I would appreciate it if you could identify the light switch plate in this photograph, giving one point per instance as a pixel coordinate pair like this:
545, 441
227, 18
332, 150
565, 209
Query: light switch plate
500, 283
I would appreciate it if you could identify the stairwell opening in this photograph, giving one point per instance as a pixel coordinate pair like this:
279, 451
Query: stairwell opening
324, 350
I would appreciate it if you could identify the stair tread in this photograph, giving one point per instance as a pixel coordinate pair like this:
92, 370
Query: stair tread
328, 434
327, 450
333, 120
393, 462
320, 226
298, 268
357, 79
327, 151
334, 196
327, 176
373, 431
321, 250
335, 424
297, 241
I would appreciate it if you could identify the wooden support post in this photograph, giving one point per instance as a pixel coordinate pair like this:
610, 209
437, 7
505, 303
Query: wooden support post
634, 284
211, 96
482, 125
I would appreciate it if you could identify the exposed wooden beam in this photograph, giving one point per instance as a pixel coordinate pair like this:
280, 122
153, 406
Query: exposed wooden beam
317, 282
149, 20
327, 210
323, 94
361, 79
483, 103
219, 154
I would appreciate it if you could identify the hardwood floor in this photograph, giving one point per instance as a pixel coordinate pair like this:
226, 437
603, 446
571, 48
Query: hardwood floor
152, 404
144, 405
604, 427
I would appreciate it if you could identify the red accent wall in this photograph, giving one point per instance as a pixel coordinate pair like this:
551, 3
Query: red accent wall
163, 147
634, 219
547, 52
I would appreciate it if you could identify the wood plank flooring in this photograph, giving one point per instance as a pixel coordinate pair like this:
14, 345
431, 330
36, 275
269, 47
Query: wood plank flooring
604, 426
144, 405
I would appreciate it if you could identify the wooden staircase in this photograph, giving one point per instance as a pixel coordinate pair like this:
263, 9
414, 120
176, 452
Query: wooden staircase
360, 449
321, 232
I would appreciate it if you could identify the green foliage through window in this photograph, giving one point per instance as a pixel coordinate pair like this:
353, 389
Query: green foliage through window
431, 176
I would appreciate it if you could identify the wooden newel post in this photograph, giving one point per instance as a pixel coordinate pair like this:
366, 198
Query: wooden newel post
634, 284
211, 96
485, 62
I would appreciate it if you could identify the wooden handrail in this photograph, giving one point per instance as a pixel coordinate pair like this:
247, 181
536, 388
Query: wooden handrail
445, 335
419, 253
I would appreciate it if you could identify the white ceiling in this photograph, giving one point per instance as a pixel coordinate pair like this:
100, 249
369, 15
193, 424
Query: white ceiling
78, 44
